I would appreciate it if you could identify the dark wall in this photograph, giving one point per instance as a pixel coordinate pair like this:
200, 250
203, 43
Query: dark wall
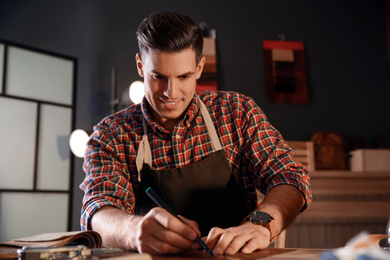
346, 56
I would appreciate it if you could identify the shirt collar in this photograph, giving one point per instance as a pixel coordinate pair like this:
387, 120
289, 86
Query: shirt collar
180, 127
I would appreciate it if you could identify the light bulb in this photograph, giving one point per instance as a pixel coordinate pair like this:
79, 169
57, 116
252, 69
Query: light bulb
136, 91
78, 142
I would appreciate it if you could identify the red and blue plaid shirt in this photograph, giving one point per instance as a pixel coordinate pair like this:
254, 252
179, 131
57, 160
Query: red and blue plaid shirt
257, 154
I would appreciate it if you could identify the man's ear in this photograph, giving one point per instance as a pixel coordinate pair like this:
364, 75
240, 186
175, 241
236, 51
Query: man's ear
199, 67
140, 65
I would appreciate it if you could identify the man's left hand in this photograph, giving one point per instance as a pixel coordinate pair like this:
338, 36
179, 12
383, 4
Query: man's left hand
246, 238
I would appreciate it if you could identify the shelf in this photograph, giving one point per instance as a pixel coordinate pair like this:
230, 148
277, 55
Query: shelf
346, 183
344, 203
349, 174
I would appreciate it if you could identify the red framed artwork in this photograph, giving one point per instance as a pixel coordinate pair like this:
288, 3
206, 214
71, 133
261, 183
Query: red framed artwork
285, 72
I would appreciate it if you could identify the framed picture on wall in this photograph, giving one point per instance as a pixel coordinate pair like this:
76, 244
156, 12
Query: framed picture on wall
285, 72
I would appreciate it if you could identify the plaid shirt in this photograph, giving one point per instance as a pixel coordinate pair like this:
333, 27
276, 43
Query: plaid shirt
257, 154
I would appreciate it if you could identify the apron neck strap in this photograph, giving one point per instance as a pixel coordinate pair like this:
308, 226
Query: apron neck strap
144, 154
210, 126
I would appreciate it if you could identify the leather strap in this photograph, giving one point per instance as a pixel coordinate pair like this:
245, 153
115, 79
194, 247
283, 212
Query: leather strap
210, 126
270, 226
144, 154
272, 230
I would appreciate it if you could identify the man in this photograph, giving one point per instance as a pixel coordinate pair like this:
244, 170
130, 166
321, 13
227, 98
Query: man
204, 154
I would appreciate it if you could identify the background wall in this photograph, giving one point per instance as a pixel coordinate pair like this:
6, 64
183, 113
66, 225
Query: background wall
346, 56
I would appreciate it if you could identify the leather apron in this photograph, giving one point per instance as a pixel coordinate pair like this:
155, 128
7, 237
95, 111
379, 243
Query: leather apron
206, 191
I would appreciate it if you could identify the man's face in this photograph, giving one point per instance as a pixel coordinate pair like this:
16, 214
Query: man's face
170, 81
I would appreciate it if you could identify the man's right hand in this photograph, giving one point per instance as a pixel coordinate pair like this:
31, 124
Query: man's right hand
160, 232
156, 232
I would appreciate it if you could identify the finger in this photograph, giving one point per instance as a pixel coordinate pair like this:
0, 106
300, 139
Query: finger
174, 224
237, 241
223, 242
251, 246
174, 239
192, 224
155, 238
159, 247
170, 229
213, 237
247, 241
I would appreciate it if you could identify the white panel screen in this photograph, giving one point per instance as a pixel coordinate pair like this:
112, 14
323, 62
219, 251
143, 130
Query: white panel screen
17, 139
26, 214
44, 77
53, 154
1, 66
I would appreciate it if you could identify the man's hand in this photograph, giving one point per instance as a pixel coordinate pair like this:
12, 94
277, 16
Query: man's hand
247, 237
160, 232
156, 232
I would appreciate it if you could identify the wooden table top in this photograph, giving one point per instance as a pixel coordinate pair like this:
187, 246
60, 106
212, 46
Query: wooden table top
268, 254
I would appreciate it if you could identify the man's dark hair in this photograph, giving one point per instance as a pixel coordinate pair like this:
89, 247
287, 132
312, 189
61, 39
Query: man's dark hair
170, 32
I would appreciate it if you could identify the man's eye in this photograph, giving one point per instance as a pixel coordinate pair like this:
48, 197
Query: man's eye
157, 76
184, 77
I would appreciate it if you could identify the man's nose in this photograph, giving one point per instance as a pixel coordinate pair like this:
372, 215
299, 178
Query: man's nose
171, 89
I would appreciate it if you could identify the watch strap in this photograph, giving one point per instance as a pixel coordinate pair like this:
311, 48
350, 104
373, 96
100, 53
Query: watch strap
270, 226
272, 230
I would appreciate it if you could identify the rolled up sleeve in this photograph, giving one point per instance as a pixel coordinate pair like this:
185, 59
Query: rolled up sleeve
107, 181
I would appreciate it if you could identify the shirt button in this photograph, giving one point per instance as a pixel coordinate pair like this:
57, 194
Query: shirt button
178, 136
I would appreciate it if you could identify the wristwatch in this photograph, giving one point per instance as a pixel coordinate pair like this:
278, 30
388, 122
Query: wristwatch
264, 219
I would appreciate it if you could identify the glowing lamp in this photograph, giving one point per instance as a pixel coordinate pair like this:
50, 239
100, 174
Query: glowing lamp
136, 91
78, 142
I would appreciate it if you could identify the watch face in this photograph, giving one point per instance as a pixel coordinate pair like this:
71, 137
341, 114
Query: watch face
258, 216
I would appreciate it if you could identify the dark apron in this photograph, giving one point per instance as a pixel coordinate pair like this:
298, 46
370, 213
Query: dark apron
206, 191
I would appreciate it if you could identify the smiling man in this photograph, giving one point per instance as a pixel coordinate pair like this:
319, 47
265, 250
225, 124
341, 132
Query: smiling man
170, 80
205, 154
